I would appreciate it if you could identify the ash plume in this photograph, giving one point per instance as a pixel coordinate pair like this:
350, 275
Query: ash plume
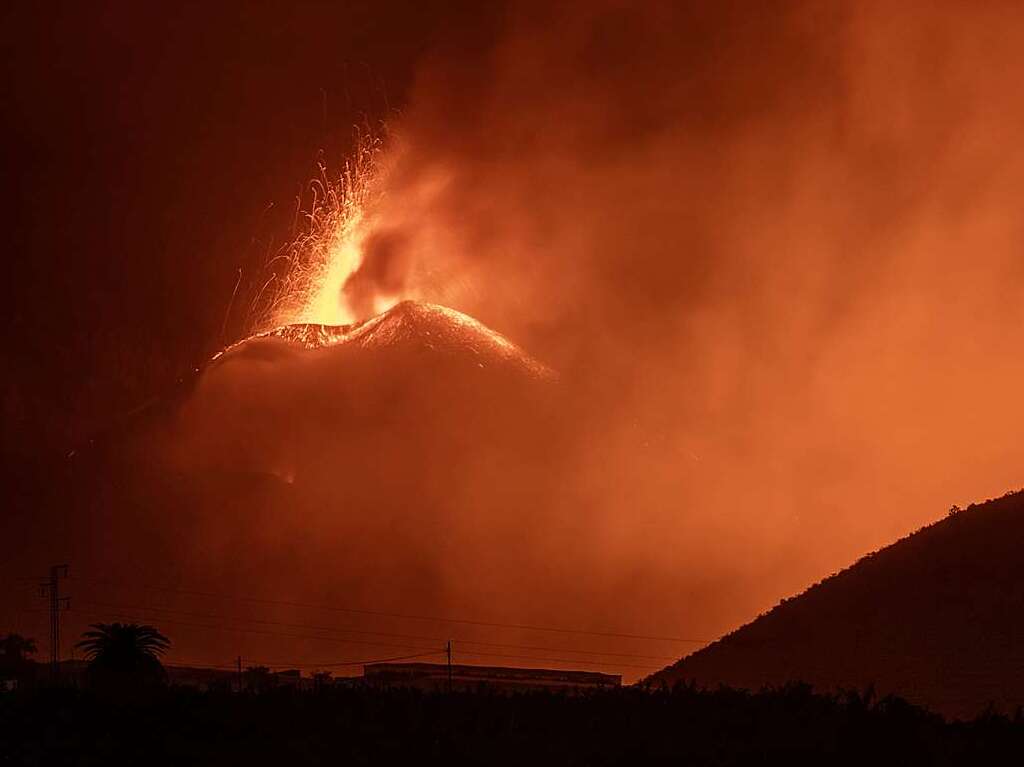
773, 253
773, 249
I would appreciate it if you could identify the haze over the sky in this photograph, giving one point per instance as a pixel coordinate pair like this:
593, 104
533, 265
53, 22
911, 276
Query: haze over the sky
774, 251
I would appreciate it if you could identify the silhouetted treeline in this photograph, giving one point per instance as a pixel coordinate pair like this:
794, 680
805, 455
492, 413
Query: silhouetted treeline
357, 725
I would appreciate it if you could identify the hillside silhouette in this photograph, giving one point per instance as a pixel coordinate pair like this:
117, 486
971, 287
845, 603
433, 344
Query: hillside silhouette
391, 464
937, 618
418, 387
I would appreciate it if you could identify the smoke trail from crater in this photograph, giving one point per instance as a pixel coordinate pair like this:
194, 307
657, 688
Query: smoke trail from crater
774, 248
773, 251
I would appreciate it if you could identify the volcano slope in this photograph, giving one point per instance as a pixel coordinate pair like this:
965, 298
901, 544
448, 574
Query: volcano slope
937, 617
401, 463
385, 394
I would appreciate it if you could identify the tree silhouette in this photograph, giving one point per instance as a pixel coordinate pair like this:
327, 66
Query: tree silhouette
14, 652
258, 679
14, 648
124, 655
321, 680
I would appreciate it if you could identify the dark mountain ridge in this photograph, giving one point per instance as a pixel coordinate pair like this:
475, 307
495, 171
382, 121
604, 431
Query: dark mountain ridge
937, 617
391, 463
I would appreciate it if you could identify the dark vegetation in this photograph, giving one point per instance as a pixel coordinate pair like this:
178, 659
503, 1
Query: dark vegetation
937, 618
124, 658
122, 711
358, 725
15, 660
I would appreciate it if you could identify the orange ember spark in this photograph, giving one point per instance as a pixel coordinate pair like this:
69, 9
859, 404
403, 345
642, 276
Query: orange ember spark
330, 248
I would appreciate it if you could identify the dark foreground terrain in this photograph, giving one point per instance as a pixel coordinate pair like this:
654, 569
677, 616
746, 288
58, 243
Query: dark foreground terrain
355, 726
934, 618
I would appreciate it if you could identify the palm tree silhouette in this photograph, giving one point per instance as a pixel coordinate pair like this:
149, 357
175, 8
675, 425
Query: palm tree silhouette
124, 654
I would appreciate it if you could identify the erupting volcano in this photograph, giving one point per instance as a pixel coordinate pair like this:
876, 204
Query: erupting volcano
622, 318
306, 394
412, 325
322, 283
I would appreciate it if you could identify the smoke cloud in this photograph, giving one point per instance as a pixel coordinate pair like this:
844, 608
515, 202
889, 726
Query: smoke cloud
773, 251
777, 247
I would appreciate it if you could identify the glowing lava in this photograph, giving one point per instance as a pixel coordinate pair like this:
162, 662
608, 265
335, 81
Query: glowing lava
407, 325
329, 250
325, 303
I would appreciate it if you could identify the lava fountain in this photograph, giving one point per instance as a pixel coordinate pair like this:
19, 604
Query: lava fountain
347, 359
329, 250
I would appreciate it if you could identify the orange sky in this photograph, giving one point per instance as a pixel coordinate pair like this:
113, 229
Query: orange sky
779, 273
775, 255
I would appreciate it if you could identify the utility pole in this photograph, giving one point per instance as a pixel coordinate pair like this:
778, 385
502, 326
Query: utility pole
239, 674
448, 651
51, 588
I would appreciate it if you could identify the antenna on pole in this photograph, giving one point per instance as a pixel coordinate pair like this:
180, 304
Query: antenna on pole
51, 588
448, 652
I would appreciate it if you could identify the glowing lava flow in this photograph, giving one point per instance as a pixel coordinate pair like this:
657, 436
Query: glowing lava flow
407, 326
330, 249
325, 303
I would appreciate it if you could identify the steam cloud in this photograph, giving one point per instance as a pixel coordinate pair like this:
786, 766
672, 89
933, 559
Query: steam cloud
774, 250
778, 246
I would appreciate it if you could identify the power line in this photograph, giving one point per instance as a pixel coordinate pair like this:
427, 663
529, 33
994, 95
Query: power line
183, 663
417, 637
404, 616
379, 660
50, 588
125, 616
560, 660
577, 661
